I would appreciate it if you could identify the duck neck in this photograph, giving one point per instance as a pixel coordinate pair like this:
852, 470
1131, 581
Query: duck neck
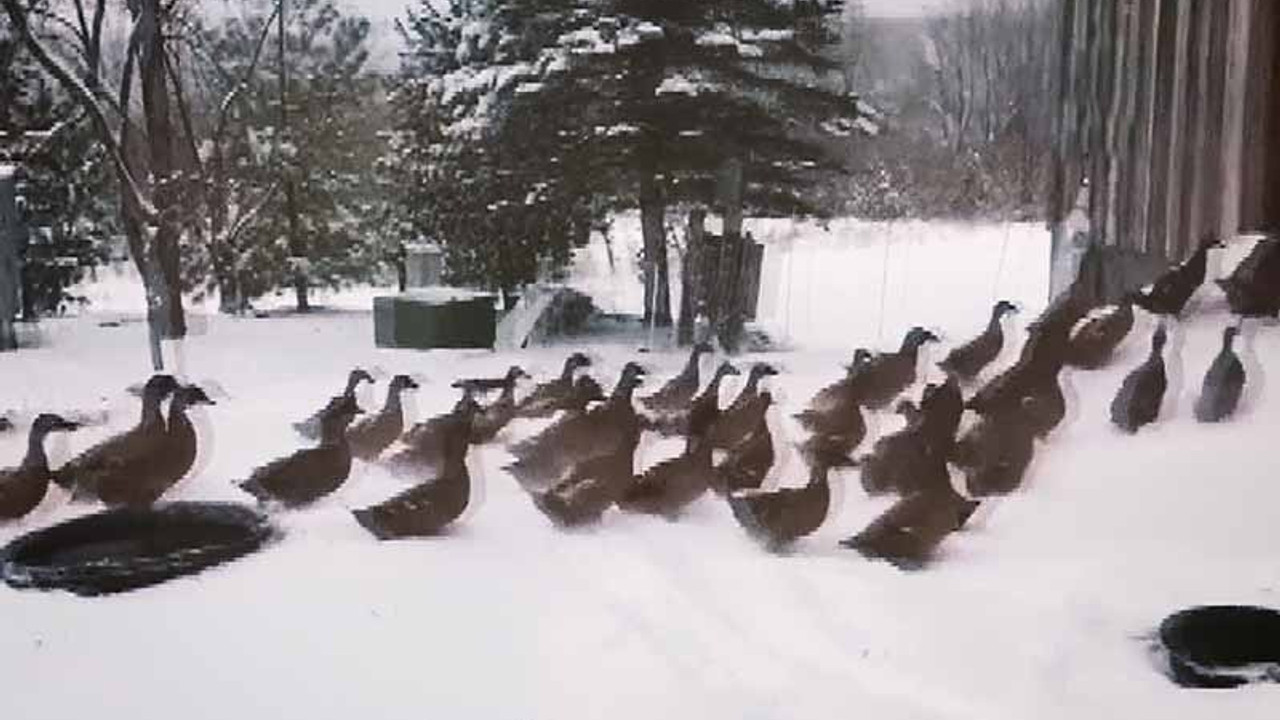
352, 383
151, 416
393, 400
35, 458
508, 395
818, 477
177, 411
994, 326
566, 375
622, 393
691, 367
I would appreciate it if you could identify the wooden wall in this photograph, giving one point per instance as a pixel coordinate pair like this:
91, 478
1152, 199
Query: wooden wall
1169, 112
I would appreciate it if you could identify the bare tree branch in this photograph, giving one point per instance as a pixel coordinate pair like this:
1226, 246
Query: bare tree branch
252, 213
86, 97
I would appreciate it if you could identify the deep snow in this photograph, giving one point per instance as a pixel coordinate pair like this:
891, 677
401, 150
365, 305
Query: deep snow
1039, 609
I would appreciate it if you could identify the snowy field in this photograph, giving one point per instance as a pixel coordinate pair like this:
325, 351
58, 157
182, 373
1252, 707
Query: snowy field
1039, 609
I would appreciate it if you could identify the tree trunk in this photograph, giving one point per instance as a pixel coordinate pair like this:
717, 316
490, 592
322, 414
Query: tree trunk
691, 277
297, 249
657, 290
160, 143
730, 315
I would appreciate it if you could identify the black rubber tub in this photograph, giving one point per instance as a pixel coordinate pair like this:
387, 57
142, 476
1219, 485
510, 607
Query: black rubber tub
128, 548
1222, 646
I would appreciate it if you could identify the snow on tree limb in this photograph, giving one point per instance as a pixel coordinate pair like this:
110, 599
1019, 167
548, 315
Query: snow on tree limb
88, 100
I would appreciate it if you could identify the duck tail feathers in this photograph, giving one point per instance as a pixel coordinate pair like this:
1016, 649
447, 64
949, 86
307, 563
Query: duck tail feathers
369, 521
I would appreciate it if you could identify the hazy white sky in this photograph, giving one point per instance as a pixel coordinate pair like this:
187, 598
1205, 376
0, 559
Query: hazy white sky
883, 8
383, 11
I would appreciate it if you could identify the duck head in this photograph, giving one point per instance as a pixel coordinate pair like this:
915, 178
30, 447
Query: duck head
46, 423
1002, 308
861, 358
575, 361
702, 348
189, 395
1229, 335
159, 387
404, 382
1210, 242
355, 377
916, 337
514, 373
467, 407
760, 370
726, 368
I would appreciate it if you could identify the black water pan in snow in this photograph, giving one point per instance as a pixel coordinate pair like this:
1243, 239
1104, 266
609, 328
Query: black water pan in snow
1222, 646
128, 548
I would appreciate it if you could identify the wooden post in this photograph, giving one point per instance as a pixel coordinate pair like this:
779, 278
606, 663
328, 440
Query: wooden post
691, 276
10, 263
1233, 115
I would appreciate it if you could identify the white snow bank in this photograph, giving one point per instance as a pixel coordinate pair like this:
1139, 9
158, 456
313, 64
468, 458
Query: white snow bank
1035, 611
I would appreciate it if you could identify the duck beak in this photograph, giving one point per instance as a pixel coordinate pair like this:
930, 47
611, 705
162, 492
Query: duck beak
67, 425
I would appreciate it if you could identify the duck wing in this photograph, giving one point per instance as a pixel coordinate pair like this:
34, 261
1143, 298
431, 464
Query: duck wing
1138, 401
301, 478
486, 426
21, 490
420, 511
747, 464
544, 399
1223, 385
969, 359
669, 486
674, 395
782, 515
591, 488
369, 437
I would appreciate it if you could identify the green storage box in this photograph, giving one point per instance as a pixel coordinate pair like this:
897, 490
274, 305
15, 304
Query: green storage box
436, 319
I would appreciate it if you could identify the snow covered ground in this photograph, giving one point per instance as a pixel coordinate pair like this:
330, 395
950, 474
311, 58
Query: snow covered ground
1038, 610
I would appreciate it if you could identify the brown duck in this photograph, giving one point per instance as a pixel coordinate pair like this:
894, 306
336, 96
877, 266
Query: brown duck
490, 422
585, 391
124, 456
680, 389
747, 463
1170, 292
971, 358
170, 464
888, 374
1094, 342
898, 459
425, 442
908, 533
834, 408
591, 487
742, 417
995, 453
429, 508
553, 395
372, 435
781, 517
703, 409
672, 485
600, 431
308, 475
23, 487
310, 428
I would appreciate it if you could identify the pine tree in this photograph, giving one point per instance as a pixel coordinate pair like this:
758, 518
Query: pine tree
324, 155
705, 102
66, 184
